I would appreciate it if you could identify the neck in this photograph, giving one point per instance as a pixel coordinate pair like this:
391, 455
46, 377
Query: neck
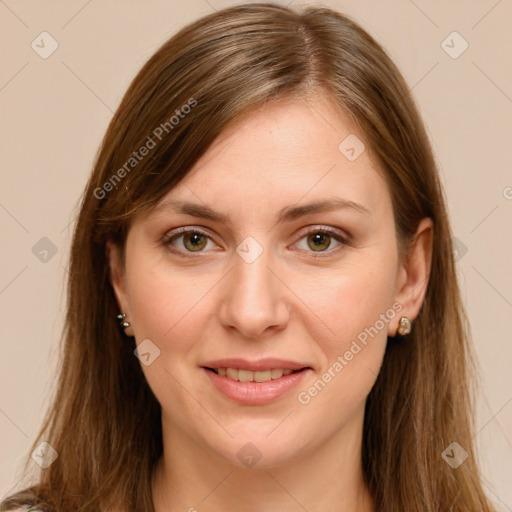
328, 478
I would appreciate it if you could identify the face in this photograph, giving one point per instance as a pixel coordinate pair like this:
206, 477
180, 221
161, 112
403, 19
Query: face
269, 285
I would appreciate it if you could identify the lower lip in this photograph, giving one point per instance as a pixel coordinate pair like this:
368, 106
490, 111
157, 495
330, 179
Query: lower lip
254, 393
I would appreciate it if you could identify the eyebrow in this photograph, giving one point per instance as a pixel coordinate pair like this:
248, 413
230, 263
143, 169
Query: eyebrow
288, 213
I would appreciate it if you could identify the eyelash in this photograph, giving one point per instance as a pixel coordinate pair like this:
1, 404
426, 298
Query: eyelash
327, 230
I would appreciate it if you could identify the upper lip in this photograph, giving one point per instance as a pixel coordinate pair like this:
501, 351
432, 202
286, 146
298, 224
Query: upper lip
259, 365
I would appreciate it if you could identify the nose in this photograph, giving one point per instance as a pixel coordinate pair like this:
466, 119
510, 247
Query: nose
255, 299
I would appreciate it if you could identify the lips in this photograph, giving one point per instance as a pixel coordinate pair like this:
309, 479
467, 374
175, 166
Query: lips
254, 366
255, 382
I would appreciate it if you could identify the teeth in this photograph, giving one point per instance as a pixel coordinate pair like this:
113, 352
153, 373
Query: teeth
250, 376
276, 373
245, 376
232, 373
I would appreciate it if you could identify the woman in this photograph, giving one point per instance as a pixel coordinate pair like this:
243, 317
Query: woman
266, 223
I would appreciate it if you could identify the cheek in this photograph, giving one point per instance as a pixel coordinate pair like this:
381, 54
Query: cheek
356, 305
167, 308
357, 308
351, 300
362, 299
167, 303
153, 304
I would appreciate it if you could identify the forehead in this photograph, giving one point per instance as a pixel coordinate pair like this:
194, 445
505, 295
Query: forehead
287, 152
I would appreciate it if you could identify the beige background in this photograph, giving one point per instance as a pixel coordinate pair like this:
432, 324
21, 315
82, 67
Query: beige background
55, 111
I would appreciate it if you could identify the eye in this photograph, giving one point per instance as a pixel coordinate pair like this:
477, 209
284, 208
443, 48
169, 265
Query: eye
194, 240
320, 239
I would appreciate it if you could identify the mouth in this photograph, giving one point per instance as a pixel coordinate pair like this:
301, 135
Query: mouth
255, 387
241, 375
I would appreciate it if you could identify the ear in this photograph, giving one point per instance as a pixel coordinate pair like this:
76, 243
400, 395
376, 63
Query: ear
118, 280
414, 272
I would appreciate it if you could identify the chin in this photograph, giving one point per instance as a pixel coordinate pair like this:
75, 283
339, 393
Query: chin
257, 451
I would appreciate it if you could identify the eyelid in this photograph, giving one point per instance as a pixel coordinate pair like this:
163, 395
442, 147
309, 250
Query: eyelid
187, 229
314, 228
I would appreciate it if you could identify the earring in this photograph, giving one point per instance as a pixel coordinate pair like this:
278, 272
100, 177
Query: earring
404, 326
121, 318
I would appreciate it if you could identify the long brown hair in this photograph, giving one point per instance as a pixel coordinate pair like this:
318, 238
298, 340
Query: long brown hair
105, 422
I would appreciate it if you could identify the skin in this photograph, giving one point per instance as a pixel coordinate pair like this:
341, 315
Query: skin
284, 304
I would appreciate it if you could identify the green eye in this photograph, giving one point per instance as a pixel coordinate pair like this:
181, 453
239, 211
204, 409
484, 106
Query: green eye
194, 241
320, 241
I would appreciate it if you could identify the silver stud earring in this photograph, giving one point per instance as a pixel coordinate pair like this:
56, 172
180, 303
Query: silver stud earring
121, 318
404, 326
